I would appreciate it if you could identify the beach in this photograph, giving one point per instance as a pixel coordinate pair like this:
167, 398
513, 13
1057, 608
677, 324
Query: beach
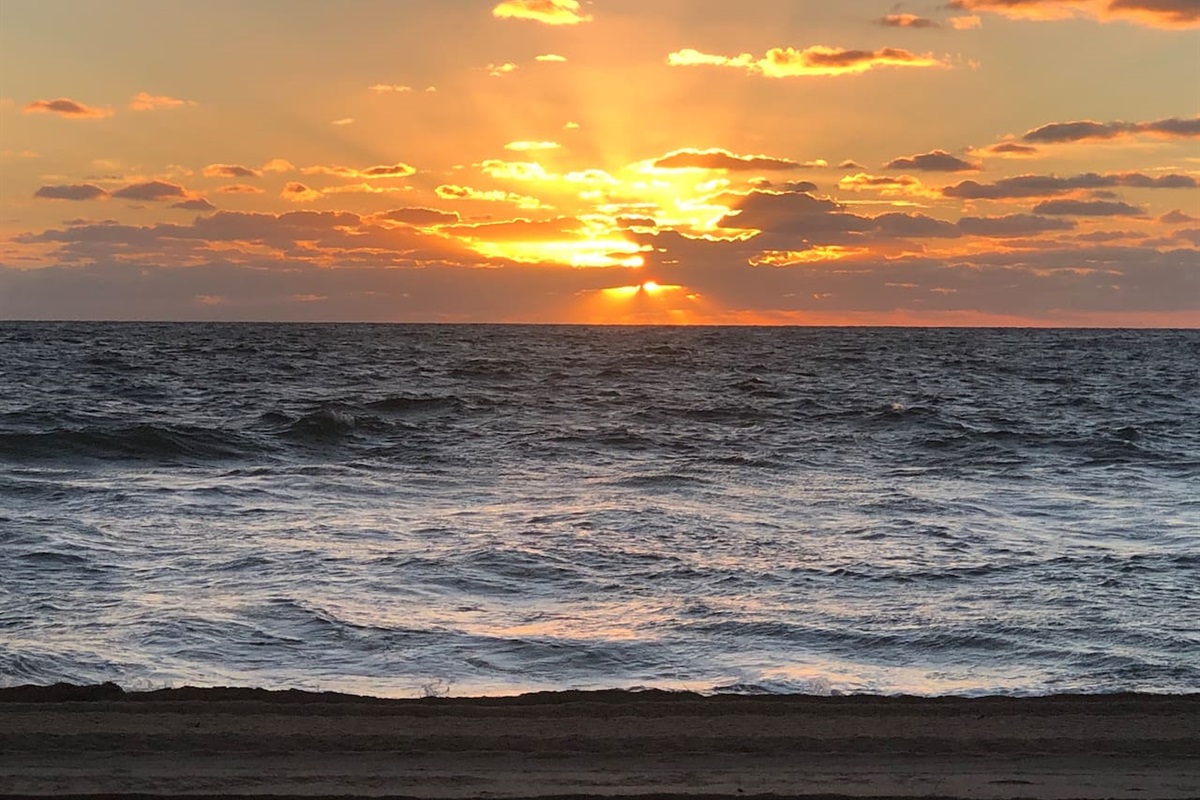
74, 741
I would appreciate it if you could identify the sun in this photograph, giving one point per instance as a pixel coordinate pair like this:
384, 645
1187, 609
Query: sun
651, 287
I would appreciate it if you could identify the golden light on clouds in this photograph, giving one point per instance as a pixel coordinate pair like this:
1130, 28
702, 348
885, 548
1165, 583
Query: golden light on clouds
550, 12
771, 162
814, 61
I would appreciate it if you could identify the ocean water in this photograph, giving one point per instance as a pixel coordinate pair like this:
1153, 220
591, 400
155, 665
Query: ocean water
431, 509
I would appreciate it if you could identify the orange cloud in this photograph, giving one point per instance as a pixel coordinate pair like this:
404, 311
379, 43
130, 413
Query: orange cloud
240, 188
68, 108
278, 165
885, 184
966, 23
1151, 13
385, 88
296, 192
906, 21
392, 171
550, 12
144, 101
720, 159
231, 171
454, 192
815, 61
550, 57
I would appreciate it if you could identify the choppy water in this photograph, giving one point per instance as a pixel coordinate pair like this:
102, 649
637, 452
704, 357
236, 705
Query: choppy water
394, 510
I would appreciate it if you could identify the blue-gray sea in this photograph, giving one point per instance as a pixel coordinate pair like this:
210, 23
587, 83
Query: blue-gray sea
400, 510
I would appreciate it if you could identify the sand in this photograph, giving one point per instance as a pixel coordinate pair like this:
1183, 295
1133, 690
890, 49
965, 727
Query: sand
218, 742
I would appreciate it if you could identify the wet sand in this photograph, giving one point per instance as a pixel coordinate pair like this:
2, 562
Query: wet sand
96, 741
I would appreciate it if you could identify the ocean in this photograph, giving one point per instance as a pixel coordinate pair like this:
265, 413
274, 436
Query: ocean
407, 510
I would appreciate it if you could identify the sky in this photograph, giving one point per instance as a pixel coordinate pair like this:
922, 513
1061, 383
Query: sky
798, 162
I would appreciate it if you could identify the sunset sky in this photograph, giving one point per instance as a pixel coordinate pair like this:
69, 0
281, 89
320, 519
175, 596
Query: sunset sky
976, 162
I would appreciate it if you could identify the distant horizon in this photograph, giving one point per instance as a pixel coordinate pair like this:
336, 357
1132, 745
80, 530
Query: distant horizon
977, 163
548, 324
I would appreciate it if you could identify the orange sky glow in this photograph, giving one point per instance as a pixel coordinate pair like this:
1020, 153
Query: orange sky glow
977, 162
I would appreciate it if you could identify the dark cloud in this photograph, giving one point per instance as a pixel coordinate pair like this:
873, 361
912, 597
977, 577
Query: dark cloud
231, 171
717, 158
195, 204
1177, 217
1086, 208
936, 161
1151, 13
1012, 225
420, 216
1012, 149
150, 191
1050, 185
66, 107
915, 226
78, 191
1087, 129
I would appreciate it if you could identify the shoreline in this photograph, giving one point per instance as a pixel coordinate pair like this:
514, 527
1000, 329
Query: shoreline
67, 740
63, 692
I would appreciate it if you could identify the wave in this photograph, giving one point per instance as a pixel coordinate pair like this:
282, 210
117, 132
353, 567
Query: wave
129, 442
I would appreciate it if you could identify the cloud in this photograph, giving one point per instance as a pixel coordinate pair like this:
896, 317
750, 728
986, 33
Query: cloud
278, 165
1011, 150
818, 60
240, 188
524, 146
385, 88
906, 21
1151, 13
550, 12
231, 171
379, 172
1087, 208
144, 101
79, 191
887, 184
455, 192
343, 121
498, 70
515, 170
966, 23
550, 57
937, 161
150, 191
1177, 217
1012, 225
1051, 185
1087, 129
296, 192
719, 159
420, 216
194, 204
65, 107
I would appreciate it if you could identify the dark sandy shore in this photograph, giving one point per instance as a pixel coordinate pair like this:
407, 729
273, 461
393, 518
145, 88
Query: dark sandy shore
100, 741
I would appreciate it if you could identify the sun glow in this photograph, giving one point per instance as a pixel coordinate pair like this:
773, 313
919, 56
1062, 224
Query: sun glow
582, 253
